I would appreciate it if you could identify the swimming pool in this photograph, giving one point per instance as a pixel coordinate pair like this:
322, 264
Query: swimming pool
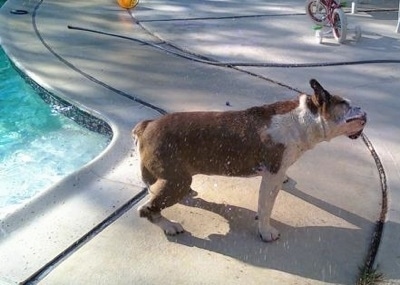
38, 145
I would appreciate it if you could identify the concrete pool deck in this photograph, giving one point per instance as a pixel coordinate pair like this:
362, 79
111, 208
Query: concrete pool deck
121, 66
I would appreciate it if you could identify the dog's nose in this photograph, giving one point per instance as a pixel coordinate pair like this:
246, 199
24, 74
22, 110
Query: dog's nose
358, 110
364, 117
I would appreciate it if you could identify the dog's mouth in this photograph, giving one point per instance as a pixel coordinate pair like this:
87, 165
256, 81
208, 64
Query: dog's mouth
356, 135
363, 121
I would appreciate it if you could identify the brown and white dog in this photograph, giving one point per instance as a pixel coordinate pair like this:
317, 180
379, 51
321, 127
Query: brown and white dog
263, 140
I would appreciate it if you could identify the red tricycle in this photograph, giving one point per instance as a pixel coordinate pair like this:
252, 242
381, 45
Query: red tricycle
329, 18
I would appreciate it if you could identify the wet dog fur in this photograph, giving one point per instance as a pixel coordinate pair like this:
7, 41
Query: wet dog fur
259, 141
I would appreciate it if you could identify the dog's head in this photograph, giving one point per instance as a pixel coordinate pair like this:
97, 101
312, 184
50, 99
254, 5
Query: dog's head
340, 117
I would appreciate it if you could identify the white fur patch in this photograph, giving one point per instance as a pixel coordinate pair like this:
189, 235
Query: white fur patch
299, 127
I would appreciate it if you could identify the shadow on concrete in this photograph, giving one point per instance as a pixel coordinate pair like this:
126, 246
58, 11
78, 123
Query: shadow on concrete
312, 252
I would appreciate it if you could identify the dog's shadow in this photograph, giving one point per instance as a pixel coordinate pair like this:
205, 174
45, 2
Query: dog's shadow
315, 252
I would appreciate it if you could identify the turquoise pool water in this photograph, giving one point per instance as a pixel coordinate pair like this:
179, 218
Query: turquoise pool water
38, 145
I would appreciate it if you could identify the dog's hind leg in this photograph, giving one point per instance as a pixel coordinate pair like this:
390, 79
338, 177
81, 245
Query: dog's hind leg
165, 193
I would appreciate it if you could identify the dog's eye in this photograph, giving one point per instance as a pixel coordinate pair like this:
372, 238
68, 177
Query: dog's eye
344, 105
341, 102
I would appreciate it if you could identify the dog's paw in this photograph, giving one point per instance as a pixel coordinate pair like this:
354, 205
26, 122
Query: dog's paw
144, 211
286, 179
170, 228
269, 234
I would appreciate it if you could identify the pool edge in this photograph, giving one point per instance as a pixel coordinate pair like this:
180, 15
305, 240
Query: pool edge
64, 213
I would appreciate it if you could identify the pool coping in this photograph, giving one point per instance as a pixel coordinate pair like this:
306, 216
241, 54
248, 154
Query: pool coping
106, 176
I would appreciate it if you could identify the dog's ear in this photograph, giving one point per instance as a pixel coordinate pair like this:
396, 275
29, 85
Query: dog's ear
321, 96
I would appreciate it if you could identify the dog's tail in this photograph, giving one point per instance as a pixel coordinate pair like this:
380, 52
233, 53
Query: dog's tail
139, 129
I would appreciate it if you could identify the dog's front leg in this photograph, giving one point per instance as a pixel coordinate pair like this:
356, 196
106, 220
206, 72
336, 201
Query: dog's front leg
269, 189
